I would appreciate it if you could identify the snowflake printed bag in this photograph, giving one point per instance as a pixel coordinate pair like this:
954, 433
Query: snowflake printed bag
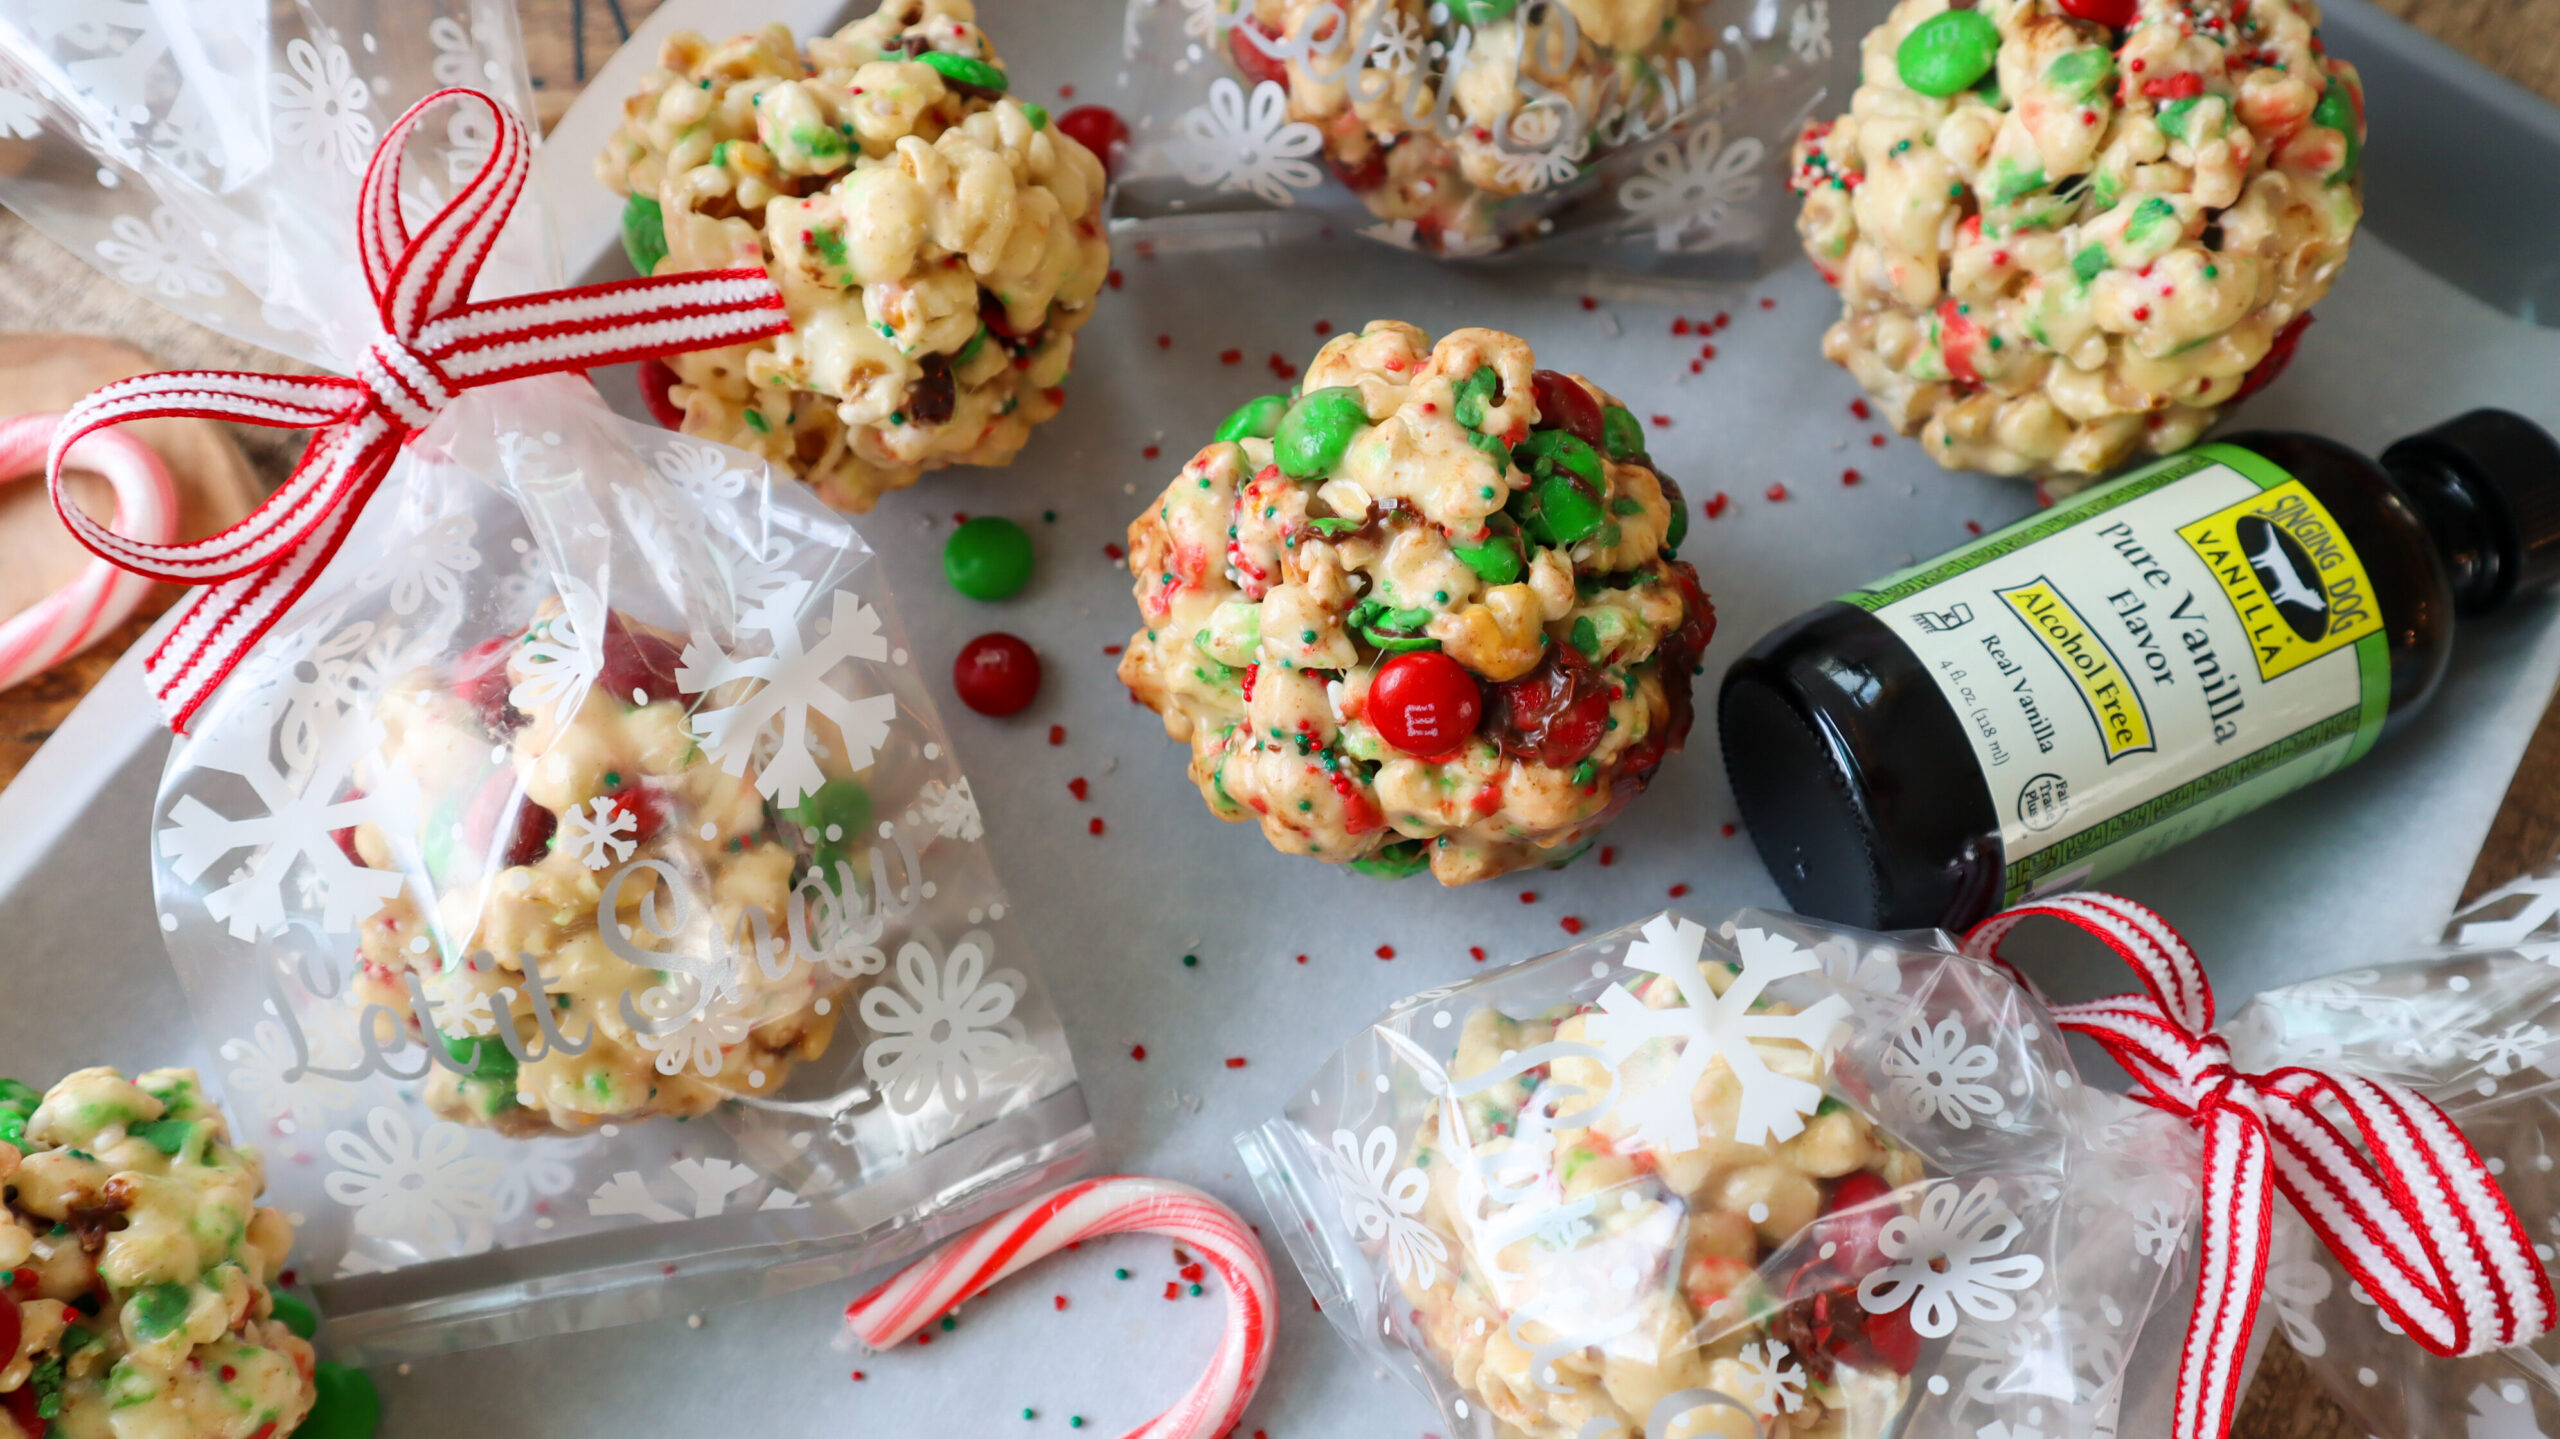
1779, 1180
562, 855
1637, 136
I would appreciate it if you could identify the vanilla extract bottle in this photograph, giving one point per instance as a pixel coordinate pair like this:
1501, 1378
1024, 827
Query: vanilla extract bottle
2122, 672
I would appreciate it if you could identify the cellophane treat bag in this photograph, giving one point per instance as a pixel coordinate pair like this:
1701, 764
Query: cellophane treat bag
1637, 136
576, 889
1767, 1178
2474, 1026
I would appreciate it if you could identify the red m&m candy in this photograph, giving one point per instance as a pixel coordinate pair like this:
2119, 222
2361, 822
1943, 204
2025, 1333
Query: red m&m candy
1425, 703
996, 674
2116, 13
1100, 129
657, 391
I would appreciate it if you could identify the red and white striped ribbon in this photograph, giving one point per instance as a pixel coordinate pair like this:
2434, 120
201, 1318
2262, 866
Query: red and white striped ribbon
2405, 1203
434, 343
932, 1287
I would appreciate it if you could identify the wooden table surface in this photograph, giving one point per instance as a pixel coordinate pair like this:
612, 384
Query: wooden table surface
43, 288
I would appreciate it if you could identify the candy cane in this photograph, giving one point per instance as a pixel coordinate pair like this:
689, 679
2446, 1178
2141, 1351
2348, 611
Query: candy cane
933, 1286
72, 618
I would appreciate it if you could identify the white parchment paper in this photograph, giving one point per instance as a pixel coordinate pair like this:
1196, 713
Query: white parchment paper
2357, 869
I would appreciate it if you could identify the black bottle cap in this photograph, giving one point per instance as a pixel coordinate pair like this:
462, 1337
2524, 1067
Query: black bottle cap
2510, 468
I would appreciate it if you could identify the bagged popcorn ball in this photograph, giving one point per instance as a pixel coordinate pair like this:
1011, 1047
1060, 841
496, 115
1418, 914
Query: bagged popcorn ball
2067, 233
562, 854
1775, 1180
1641, 134
135, 1262
1425, 613
938, 242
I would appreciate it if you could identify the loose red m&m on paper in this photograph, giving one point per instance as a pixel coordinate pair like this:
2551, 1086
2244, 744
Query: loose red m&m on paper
1425, 703
996, 674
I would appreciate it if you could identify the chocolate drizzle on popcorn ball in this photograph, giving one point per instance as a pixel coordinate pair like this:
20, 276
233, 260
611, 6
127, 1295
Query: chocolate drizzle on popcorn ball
1423, 614
938, 242
134, 1265
2067, 232
540, 796
1440, 113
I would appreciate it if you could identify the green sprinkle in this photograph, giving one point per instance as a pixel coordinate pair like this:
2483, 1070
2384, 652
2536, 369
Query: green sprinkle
159, 1308
1075, 1421
2090, 263
1119, 1273
756, 422
1191, 961
1027, 1413
644, 232
1195, 1291
949, 1323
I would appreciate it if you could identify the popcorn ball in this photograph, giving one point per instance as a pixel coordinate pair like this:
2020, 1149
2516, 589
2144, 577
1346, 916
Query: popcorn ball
552, 807
2067, 232
134, 1265
1684, 1232
1441, 115
1423, 614
938, 242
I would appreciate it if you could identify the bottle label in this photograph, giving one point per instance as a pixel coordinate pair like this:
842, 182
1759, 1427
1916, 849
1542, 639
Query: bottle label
2148, 659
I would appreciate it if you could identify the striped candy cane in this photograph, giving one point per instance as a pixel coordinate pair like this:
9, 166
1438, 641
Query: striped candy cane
934, 1286
98, 599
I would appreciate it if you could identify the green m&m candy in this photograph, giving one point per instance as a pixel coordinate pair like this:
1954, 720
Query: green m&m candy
347, 1405
989, 558
1622, 432
1401, 859
644, 233
2337, 110
1255, 419
1566, 496
1496, 558
1316, 431
1948, 52
966, 70
297, 1316
487, 1059
835, 813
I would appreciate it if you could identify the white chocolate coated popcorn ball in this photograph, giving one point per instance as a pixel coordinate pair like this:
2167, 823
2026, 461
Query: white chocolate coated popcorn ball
134, 1267
2068, 233
937, 241
1425, 613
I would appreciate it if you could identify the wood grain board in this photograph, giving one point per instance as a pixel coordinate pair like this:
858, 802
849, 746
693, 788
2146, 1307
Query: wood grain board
44, 288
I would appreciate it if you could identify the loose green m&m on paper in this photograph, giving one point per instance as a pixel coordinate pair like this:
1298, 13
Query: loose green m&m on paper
966, 70
644, 233
988, 558
348, 1406
1948, 52
1316, 431
1257, 419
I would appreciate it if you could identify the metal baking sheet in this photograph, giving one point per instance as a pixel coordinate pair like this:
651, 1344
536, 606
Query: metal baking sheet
2433, 315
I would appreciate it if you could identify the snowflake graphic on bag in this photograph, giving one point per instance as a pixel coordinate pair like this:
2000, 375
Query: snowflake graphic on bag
784, 689
1711, 1027
1948, 1259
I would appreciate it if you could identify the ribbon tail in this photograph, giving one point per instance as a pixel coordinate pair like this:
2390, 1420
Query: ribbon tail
218, 626
2239, 1216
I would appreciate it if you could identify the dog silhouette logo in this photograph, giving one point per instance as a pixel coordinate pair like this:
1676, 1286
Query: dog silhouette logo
2287, 574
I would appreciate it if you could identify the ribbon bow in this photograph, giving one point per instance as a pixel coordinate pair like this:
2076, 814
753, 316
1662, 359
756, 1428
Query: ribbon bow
2413, 1214
434, 344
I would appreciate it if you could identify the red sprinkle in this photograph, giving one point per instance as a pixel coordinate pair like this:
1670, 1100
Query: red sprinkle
1172, 1290
1973, 527
1776, 493
1386, 951
1706, 352
1678, 890
1768, 302
1662, 422
1095, 827
1723, 319
1476, 953
1079, 787
1164, 342
1717, 504
1235, 1061
1859, 409
1697, 367
1528, 896
1302, 959
1066, 92
1231, 357
923, 1340
1115, 279
1680, 327
1138, 1052
1057, 734
1114, 553
1571, 924
1111, 649
1590, 303
1193, 1272
1324, 327
1608, 855
1151, 451
857, 1376
1728, 831
1875, 442
1849, 477
1060, 1302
